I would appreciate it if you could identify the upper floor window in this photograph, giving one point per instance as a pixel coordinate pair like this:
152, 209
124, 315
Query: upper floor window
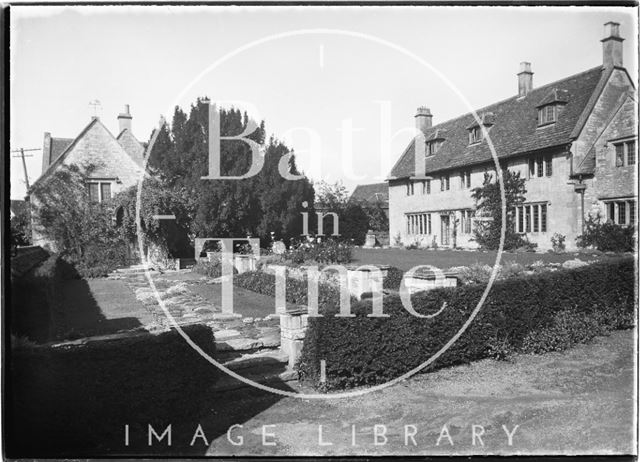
465, 179
432, 147
426, 187
540, 166
551, 105
444, 183
547, 114
625, 153
475, 134
99, 191
410, 188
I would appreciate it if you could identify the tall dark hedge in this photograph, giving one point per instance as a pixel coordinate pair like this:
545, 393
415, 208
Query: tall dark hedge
365, 351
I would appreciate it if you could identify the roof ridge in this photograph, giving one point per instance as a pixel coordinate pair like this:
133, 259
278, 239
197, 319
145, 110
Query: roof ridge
515, 97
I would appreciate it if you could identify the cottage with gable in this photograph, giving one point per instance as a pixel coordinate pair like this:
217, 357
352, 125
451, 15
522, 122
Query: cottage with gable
574, 141
116, 161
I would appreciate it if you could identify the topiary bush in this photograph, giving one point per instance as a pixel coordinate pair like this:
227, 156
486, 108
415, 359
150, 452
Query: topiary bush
366, 351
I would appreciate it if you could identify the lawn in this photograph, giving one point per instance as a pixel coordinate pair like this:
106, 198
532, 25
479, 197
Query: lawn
407, 259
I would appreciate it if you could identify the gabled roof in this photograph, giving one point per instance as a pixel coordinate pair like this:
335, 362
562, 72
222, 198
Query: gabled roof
58, 146
515, 130
132, 146
55, 162
373, 193
588, 164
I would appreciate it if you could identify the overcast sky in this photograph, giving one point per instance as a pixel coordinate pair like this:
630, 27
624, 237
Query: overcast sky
337, 97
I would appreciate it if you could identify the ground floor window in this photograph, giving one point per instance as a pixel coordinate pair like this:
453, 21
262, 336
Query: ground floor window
531, 218
622, 212
418, 223
465, 221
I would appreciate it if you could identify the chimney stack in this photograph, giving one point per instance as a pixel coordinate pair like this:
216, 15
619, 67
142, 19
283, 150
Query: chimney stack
525, 79
612, 45
124, 119
423, 119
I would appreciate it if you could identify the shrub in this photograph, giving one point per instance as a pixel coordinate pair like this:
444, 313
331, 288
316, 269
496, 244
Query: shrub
365, 351
557, 242
265, 283
606, 237
327, 251
393, 279
210, 268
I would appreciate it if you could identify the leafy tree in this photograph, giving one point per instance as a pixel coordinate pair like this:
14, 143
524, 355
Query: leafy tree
20, 225
81, 231
353, 219
156, 198
489, 206
378, 220
253, 206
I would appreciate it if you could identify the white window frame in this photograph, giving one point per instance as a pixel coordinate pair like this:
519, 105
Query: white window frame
532, 210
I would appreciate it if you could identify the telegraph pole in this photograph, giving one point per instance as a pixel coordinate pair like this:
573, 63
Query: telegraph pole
24, 163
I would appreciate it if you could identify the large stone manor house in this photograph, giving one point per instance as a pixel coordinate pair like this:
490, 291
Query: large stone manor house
574, 141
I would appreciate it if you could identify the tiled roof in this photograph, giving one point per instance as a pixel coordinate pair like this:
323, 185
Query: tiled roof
588, 164
515, 130
132, 146
58, 146
375, 193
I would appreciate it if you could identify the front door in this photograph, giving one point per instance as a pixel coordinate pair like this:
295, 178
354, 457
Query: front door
445, 229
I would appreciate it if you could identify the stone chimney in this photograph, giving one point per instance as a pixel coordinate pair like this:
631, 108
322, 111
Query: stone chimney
612, 45
46, 151
423, 119
124, 119
525, 79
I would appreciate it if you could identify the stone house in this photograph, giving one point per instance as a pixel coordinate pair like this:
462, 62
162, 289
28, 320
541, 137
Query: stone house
116, 161
573, 140
373, 194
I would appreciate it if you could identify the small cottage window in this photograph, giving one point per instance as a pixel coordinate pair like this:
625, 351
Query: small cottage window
547, 114
99, 191
625, 153
475, 135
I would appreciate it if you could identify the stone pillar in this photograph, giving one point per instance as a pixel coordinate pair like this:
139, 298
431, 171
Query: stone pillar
244, 263
361, 281
428, 281
293, 327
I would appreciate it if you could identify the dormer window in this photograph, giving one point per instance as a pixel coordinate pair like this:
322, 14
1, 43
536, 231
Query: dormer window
547, 114
551, 105
432, 148
475, 130
475, 134
434, 141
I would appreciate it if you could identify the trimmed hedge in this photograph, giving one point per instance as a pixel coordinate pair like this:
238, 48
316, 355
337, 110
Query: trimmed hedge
74, 400
265, 283
365, 351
